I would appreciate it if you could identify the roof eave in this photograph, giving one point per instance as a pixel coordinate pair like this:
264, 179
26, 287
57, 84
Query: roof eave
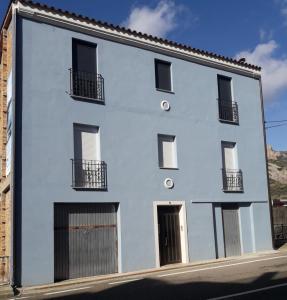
143, 37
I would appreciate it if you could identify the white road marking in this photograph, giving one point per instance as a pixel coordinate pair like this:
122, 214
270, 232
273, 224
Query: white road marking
123, 281
67, 291
18, 298
250, 291
221, 267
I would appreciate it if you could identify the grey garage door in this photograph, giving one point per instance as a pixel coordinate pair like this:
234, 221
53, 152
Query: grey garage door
231, 230
85, 240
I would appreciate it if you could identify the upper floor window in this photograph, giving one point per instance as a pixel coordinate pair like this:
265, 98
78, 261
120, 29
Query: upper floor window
167, 156
84, 56
163, 75
85, 80
224, 88
88, 169
231, 174
228, 110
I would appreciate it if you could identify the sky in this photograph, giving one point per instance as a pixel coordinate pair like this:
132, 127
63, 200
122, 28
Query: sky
256, 30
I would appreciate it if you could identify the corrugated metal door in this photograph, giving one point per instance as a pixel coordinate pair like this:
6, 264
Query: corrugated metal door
169, 234
231, 230
85, 240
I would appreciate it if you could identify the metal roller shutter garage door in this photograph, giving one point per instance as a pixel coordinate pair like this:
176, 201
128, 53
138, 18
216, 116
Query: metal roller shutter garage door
85, 240
231, 230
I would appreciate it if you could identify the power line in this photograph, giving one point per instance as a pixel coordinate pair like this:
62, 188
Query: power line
276, 126
276, 121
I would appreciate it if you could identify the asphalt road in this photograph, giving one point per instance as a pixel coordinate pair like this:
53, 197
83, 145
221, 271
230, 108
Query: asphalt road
260, 277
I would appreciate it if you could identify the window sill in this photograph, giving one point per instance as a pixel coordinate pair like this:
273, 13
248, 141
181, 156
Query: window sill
228, 122
233, 191
87, 99
100, 189
163, 168
165, 91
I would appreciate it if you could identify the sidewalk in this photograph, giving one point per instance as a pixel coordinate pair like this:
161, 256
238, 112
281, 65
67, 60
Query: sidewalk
7, 293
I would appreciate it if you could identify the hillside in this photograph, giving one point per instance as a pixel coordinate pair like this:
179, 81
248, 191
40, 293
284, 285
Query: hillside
277, 165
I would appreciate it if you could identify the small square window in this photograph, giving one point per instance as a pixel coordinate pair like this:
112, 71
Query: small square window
163, 75
167, 156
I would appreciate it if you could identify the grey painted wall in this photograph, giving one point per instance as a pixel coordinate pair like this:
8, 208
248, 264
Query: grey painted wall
129, 123
260, 214
246, 229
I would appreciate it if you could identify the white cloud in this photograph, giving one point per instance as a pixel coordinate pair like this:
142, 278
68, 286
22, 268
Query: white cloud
262, 34
265, 35
274, 69
158, 21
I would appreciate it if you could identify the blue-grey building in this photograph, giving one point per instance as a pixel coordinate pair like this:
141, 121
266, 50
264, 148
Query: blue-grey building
128, 151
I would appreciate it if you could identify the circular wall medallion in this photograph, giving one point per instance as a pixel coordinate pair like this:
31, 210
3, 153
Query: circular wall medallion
168, 183
165, 105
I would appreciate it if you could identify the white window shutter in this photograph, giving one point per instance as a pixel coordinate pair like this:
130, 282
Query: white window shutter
230, 156
167, 151
87, 143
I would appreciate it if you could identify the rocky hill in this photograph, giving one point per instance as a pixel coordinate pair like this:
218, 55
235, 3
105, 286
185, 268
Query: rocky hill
277, 166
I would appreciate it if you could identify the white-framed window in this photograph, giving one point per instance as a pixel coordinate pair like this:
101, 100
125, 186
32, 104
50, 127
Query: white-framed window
9, 88
87, 142
231, 174
8, 155
167, 152
88, 169
229, 156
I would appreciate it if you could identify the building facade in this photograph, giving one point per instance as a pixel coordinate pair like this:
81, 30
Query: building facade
128, 152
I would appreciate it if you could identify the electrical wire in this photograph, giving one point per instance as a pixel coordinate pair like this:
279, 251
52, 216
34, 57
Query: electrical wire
285, 124
276, 121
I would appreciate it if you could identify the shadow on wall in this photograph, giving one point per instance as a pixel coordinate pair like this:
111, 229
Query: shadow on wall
154, 289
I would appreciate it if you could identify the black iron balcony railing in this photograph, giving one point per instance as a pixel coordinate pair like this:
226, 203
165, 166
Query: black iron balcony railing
86, 85
89, 174
232, 180
228, 111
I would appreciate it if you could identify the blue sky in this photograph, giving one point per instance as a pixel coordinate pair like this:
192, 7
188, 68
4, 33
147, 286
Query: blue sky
254, 29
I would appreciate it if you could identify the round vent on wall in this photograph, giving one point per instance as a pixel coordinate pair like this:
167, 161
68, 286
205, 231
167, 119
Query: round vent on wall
168, 183
165, 105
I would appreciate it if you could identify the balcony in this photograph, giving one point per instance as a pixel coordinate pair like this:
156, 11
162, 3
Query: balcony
85, 85
89, 174
228, 111
232, 180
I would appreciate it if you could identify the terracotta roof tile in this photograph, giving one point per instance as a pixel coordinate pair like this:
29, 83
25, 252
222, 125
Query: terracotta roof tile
139, 34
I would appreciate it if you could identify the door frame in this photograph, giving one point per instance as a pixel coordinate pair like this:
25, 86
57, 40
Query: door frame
182, 225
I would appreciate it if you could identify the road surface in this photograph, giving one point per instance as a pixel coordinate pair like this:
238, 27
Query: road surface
255, 277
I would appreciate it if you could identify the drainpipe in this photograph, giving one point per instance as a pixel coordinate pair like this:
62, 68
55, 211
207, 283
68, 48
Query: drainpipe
13, 264
266, 161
